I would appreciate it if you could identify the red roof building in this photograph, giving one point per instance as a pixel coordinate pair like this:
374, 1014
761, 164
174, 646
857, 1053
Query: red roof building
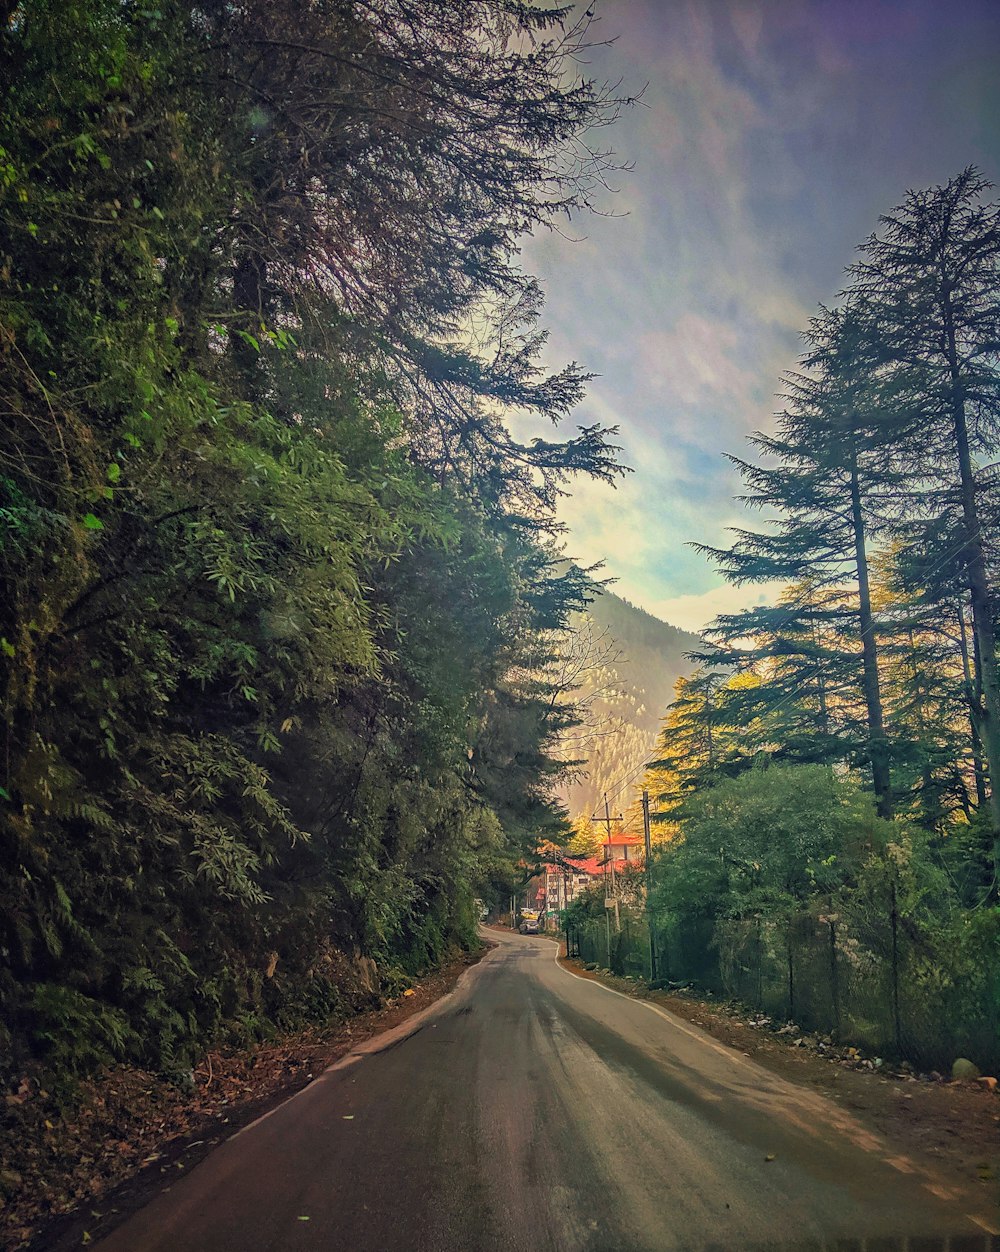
623, 850
563, 883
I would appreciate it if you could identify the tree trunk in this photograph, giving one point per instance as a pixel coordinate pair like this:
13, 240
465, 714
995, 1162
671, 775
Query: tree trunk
824, 719
973, 690
249, 286
982, 619
931, 808
878, 746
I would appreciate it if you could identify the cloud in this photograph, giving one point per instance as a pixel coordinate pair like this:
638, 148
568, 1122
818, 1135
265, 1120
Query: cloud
695, 361
694, 612
775, 134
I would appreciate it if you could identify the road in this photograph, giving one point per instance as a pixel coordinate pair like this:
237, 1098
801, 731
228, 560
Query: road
532, 1109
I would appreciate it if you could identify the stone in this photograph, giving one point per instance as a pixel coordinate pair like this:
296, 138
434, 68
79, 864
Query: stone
988, 1082
963, 1070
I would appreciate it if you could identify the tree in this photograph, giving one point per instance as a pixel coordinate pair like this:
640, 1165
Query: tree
282, 589
774, 834
385, 159
799, 697
834, 477
693, 750
931, 274
928, 676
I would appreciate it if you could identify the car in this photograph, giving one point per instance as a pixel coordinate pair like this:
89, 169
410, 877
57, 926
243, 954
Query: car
530, 923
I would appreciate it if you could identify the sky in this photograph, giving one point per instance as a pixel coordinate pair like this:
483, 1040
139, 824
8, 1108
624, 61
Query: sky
773, 135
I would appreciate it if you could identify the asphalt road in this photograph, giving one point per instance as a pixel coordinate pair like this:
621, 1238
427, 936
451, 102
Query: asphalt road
532, 1109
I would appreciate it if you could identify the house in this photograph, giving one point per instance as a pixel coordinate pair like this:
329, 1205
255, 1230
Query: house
620, 850
565, 881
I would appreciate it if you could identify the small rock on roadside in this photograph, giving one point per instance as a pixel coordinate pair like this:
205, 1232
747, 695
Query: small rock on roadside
964, 1070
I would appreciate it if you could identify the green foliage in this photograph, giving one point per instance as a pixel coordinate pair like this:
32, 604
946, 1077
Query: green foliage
281, 585
759, 843
74, 1032
876, 666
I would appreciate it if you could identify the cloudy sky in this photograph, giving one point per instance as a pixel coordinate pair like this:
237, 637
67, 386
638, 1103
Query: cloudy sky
775, 133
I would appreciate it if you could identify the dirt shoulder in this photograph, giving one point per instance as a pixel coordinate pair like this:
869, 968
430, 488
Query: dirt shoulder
66, 1178
951, 1127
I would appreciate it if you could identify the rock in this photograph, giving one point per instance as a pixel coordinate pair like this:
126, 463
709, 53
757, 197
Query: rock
964, 1071
989, 1083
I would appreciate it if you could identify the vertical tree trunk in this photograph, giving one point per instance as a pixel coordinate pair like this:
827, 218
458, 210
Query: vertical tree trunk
708, 726
824, 717
878, 746
982, 617
932, 811
249, 297
973, 689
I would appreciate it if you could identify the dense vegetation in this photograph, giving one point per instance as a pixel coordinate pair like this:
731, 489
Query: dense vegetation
829, 772
279, 587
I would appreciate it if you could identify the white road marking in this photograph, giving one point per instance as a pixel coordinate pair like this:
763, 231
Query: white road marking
723, 1051
699, 1036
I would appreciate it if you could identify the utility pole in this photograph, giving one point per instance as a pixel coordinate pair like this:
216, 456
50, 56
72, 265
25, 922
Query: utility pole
606, 821
649, 886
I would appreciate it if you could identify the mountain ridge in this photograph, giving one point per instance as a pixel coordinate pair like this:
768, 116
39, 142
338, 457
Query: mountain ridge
639, 658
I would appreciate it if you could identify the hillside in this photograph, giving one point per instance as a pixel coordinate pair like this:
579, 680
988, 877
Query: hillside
639, 659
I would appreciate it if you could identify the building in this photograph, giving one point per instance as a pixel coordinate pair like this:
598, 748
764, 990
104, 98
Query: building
564, 882
620, 850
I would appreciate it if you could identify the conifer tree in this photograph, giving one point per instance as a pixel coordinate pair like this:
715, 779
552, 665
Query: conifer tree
931, 278
832, 478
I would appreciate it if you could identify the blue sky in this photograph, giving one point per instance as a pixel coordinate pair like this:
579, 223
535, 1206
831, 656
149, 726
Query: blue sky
775, 133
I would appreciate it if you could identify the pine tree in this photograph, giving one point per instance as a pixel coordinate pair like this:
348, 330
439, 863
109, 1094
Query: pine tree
833, 477
931, 276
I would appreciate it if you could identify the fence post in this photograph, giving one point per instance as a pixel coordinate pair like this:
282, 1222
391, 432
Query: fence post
649, 885
791, 970
759, 986
834, 978
894, 920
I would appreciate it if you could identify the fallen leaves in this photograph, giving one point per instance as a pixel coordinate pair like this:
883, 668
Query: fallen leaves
57, 1160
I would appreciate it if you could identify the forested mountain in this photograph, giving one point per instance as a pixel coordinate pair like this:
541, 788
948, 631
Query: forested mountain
279, 587
637, 660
